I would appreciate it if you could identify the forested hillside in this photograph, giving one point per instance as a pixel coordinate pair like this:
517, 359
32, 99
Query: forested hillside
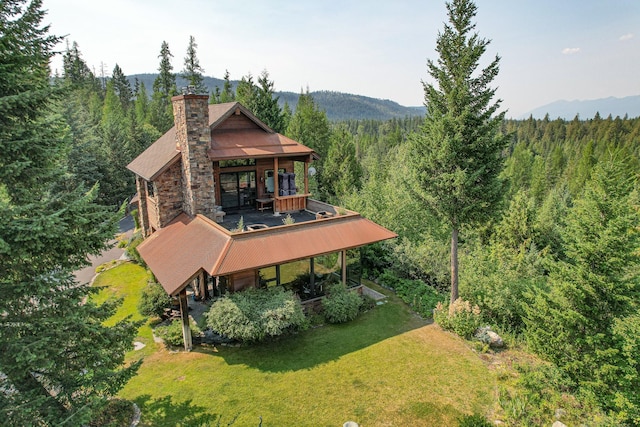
337, 105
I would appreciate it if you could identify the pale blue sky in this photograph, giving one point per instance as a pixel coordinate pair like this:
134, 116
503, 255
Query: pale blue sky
550, 49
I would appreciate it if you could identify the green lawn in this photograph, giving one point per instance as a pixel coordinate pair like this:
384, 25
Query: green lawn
387, 368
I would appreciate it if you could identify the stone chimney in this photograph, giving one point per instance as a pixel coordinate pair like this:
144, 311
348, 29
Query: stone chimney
193, 139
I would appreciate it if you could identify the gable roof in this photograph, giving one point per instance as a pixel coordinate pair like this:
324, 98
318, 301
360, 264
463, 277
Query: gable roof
253, 144
179, 251
163, 153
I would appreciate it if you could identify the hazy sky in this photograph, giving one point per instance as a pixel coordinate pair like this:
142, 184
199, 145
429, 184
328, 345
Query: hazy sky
549, 49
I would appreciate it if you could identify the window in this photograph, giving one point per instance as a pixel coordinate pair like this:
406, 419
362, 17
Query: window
151, 189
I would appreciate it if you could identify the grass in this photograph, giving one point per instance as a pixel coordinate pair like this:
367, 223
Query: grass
126, 281
386, 368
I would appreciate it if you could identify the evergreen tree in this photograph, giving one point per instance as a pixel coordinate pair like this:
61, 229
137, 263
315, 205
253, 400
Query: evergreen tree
164, 87
456, 155
265, 105
192, 71
75, 70
227, 94
122, 87
341, 171
574, 323
59, 361
309, 126
246, 92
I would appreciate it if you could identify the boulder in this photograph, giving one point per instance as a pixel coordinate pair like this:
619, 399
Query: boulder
558, 424
487, 336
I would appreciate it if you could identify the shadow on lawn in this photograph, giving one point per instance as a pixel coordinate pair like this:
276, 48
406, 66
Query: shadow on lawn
163, 411
324, 344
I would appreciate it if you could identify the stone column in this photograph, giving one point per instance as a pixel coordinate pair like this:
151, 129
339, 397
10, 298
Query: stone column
143, 214
193, 139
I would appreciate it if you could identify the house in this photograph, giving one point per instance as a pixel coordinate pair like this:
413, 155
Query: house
220, 167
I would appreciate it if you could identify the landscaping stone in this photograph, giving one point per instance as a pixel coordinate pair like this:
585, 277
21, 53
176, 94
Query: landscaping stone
558, 424
487, 336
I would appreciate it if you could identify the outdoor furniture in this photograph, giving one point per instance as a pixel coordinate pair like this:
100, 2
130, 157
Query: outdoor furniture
264, 203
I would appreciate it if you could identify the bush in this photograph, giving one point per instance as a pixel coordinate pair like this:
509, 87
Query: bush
462, 318
256, 314
116, 413
132, 251
341, 305
474, 421
368, 303
172, 333
154, 300
421, 297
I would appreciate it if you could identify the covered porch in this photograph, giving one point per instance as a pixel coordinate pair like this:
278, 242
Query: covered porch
197, 252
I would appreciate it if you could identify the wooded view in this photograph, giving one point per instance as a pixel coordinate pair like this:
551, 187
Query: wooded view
529, 226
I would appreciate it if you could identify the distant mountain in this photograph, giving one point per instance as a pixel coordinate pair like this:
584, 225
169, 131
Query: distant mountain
587, 109
337, 105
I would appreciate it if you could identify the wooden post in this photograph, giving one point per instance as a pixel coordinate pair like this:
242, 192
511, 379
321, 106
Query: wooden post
306, 176
343, 262
312, 276
184, 314
276, 190
278, 275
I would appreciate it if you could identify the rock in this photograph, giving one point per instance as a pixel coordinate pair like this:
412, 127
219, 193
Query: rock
487, 336
560, 413
558, 424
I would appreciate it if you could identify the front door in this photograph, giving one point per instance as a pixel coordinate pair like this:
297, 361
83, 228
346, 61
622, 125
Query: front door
238, 189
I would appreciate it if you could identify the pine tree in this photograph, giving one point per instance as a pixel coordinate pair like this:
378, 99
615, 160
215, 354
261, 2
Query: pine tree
309, 126
456, 155
122, 87
227, 94
192, 71
164, 87
246, 92
574, 323
342, 172
59, 361
265, 105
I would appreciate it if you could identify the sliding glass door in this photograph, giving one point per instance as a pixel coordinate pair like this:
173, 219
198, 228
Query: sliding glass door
238, 189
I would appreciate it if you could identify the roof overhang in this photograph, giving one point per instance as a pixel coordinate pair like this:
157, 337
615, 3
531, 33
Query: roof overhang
178, 252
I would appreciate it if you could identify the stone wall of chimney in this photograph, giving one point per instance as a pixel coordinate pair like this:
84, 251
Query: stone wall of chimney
193, 139
169, 185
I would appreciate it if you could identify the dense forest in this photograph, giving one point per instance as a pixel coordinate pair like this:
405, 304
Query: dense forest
552, 264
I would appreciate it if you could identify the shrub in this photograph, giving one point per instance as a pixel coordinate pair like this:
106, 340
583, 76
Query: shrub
154, 300
172, 333
131, 249
367, 303
474, 421
461, 318
421, 297
256, 314
340, 305
116, 413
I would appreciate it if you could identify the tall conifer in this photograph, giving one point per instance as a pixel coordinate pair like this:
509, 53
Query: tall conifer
58, 361
456, 155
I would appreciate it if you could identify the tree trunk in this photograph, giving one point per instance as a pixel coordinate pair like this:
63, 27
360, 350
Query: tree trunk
454, 265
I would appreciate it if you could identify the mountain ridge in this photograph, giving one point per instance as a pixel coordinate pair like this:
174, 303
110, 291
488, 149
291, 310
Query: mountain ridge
337, 105
587, 109
346, 106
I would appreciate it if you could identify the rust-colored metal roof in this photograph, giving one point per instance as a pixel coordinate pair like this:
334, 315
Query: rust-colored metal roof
178, 252
236, 144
